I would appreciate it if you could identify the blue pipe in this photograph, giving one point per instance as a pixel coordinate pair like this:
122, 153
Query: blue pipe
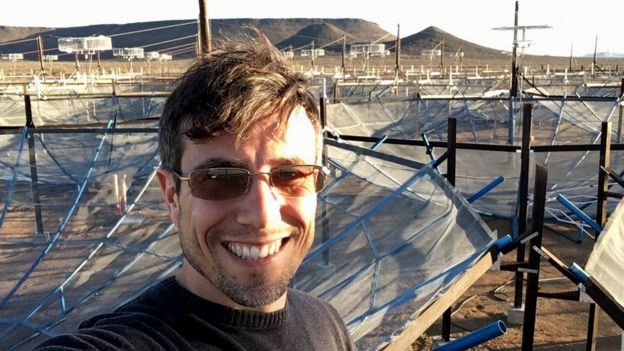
486, 189
504, 242
477, 337
579, 272
580, 214
379, 142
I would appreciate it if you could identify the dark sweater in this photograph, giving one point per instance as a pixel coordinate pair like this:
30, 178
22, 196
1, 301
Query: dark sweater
168, 317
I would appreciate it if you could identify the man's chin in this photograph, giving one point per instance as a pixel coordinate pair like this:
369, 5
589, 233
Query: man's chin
256, 298
257, 291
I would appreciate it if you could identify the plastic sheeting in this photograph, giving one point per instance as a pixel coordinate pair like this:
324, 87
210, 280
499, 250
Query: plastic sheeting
606, 260
381, 254
488, 121
384, 231
398, 237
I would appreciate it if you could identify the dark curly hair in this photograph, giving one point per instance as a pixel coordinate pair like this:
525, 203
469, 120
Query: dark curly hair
227, 91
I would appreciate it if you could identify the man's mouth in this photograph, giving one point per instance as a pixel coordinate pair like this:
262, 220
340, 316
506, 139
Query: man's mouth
254, 252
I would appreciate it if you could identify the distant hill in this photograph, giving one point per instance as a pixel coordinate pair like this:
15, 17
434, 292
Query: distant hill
321, 34
178, 37
433, 37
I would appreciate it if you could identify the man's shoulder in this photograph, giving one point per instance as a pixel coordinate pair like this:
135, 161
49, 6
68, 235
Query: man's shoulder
300, 299
312, 313
139, 324
118, 331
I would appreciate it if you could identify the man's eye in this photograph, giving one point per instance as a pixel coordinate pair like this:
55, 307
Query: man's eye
288, 175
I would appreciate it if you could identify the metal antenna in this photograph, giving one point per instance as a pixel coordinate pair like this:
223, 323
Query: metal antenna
514, 79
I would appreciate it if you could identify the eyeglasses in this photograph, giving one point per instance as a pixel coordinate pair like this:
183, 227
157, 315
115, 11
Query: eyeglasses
225, 183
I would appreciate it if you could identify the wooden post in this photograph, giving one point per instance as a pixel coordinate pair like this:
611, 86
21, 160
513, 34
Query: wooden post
40, 49
344, 49
204, 25
442, 55
513, 91
312, 56
397, 63
595, 51
77, 65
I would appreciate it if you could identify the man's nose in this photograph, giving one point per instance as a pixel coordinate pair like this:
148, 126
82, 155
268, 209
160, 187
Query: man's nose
260, 207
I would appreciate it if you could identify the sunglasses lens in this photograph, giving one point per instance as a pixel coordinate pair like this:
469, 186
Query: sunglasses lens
298, 180
219, 183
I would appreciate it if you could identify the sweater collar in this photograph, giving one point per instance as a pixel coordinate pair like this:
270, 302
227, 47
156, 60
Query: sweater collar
216, 313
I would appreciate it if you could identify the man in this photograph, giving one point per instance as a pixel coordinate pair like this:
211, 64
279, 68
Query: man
240, 145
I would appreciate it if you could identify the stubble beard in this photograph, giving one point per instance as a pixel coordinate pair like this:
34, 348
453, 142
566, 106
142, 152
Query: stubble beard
254, 290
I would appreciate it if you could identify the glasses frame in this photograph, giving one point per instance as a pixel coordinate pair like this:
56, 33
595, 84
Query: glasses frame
323, 172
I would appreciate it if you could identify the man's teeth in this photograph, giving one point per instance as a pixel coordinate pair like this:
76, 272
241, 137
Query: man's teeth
255, 252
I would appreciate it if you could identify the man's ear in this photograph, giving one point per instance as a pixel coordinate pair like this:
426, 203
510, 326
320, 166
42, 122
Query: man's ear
170, 194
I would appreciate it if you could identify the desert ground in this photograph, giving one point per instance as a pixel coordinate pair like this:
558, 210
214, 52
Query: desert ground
560, 325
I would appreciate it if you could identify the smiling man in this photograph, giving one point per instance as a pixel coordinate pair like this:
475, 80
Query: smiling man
240, 145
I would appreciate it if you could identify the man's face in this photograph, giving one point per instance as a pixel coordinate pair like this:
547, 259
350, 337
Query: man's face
243, 252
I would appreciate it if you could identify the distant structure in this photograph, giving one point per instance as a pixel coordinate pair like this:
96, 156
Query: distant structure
523, 43
368, 50
155, 56
164, 57
129, 53
312, 52
152, 56
430, 53
12, 57
86, 46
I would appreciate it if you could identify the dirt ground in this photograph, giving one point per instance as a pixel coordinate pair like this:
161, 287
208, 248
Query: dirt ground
560, 325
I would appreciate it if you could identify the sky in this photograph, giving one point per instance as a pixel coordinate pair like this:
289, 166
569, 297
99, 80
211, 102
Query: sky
576, 26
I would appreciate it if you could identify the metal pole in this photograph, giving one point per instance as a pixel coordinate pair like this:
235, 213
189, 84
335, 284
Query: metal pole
619, 130
34, 177
450, 176
539, 202
204, 25
603, 179
324, 214
523, 197
601, 219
